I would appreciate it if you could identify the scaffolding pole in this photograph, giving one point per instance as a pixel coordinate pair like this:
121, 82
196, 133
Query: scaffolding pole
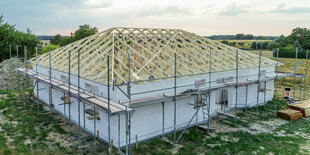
175, 100
119, 132
50, 85
10, 66
300, 88
129, 79
188, 124
127, 128
26, 67
37, 74
246, 98
295, 72
283, 83
237, 80
128, 123
17, 64
163, 123
305, 83
69, 94
197, 103
265, 87
94, 113
209, 91
258, 80
277, 71
64, 104
129, 132
79, 100
84, 127
109, 112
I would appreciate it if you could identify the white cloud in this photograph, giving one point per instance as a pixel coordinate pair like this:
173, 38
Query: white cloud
291, 10
233, 9
204, 17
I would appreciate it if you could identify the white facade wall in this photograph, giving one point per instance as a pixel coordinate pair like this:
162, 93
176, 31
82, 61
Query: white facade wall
147, 120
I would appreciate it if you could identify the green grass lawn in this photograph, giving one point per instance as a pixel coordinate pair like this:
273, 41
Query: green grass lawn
25, 132
265, 53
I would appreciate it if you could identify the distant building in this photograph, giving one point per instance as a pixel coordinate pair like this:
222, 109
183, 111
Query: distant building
43, 43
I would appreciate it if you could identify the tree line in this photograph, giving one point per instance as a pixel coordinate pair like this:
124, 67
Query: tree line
299, 38
241, 36
10, 36
82, 32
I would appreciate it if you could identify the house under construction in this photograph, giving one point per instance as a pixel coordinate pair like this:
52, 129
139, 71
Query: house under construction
130, 84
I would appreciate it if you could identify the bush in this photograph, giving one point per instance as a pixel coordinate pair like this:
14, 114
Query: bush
285, 53
273, 45
228, 43
49, 46
260, 45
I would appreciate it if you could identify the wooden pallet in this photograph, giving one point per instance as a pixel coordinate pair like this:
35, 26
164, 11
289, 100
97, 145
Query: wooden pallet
289, 114
303, 107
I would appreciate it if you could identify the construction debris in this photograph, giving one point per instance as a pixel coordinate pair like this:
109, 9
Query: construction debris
8, 77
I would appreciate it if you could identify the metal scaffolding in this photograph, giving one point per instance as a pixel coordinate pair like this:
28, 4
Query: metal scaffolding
109, 106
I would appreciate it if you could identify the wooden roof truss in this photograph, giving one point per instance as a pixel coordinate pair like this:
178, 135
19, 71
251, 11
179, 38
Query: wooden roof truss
151, 54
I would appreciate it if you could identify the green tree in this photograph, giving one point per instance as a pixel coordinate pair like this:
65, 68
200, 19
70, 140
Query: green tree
260, 45
48, 47
273, 45
66, 41
297, 45
283, 41
56, 40
225, 42
10, 36
249, 36
261, 38
239, 36
84, 31
302, 35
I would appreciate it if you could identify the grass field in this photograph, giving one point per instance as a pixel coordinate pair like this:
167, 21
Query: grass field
244, 44
287, 65
265, 53
25, 132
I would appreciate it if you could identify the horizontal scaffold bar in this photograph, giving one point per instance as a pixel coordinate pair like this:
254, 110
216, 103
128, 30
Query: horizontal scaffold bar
87, 97
203, 90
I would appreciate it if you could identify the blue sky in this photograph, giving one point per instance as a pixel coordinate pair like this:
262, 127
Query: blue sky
203, 17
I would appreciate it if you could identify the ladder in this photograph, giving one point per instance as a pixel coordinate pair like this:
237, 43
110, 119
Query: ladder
205, 108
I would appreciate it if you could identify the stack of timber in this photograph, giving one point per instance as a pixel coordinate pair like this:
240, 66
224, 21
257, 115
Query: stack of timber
289, 114
303, 107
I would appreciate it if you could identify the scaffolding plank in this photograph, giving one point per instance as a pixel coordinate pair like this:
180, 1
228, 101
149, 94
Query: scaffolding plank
87, 97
